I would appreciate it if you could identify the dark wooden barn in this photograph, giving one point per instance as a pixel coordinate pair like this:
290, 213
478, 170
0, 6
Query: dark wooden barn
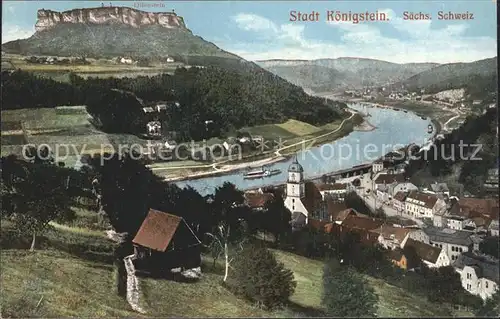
164, 242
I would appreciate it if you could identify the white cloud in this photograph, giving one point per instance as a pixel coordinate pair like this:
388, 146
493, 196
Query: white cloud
14, 32
252, 22
418, 41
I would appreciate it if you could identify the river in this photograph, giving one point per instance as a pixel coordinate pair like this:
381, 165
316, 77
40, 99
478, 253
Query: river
394, 129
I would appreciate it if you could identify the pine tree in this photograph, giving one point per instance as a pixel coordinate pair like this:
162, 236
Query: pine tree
259, 277
346, 293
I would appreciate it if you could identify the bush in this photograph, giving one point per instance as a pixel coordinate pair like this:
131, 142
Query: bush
260, 278
346, 293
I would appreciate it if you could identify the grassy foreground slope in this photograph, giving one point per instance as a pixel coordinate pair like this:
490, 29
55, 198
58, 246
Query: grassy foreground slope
71, 275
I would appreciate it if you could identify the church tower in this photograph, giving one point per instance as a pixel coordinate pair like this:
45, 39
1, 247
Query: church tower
295, 186
296, 194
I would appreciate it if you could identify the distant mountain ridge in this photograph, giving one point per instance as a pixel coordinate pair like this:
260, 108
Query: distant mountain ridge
120, 31
477, 75
348, 72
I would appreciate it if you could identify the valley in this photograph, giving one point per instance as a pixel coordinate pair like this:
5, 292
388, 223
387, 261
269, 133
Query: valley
210, 159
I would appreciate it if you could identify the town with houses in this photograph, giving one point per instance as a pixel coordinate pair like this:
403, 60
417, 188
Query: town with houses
443, 228
183, 188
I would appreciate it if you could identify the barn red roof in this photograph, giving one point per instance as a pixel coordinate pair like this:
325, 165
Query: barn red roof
157, 230
257, 200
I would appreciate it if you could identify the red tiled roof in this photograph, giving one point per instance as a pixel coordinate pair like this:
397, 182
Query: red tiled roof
400, 196
475, 207
330, 187
342, 215
389, 178
429, 200
157, 230
317, 224
257, 200
334, 208
399, 233
363, 223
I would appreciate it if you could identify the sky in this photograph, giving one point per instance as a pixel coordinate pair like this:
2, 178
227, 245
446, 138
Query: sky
262, 30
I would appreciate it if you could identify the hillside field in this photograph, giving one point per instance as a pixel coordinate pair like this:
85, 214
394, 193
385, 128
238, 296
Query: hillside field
71, 274
98, 68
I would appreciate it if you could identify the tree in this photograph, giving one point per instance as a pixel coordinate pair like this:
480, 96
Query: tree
489, 246
33, 195
346, 293
353, 200
277, 218
380, 213
259, 277
491, 307
221, 240
443, 284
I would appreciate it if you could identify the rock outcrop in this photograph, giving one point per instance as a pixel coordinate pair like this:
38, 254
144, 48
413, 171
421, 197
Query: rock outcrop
109, 15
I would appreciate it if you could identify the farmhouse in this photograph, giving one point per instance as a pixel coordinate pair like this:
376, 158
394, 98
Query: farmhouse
164, 242
479, 274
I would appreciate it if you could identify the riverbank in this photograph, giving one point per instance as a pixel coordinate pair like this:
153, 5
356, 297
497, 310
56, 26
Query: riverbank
365, 127
438, 115
182, 173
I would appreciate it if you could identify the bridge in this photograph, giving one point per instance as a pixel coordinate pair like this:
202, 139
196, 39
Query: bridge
348, 172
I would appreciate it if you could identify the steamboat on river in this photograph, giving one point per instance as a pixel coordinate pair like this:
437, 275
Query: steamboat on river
261, 173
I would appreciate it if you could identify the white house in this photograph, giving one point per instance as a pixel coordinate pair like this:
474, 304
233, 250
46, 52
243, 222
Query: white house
433, 257
153, 128
493, 228
126, 61
378, 166
303, 199
479, 274
335, 191
401, 187
453, 242
391, 237
440, 188
421, 205
398, 201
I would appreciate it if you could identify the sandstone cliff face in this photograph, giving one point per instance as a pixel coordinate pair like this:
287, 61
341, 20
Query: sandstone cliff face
109, 15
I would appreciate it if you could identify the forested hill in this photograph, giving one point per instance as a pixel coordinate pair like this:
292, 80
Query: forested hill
230, 99
445, 161
475, 76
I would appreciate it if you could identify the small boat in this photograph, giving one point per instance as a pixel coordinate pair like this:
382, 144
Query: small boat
430, 129
395, 109
405, 111
423, 118
261, 173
